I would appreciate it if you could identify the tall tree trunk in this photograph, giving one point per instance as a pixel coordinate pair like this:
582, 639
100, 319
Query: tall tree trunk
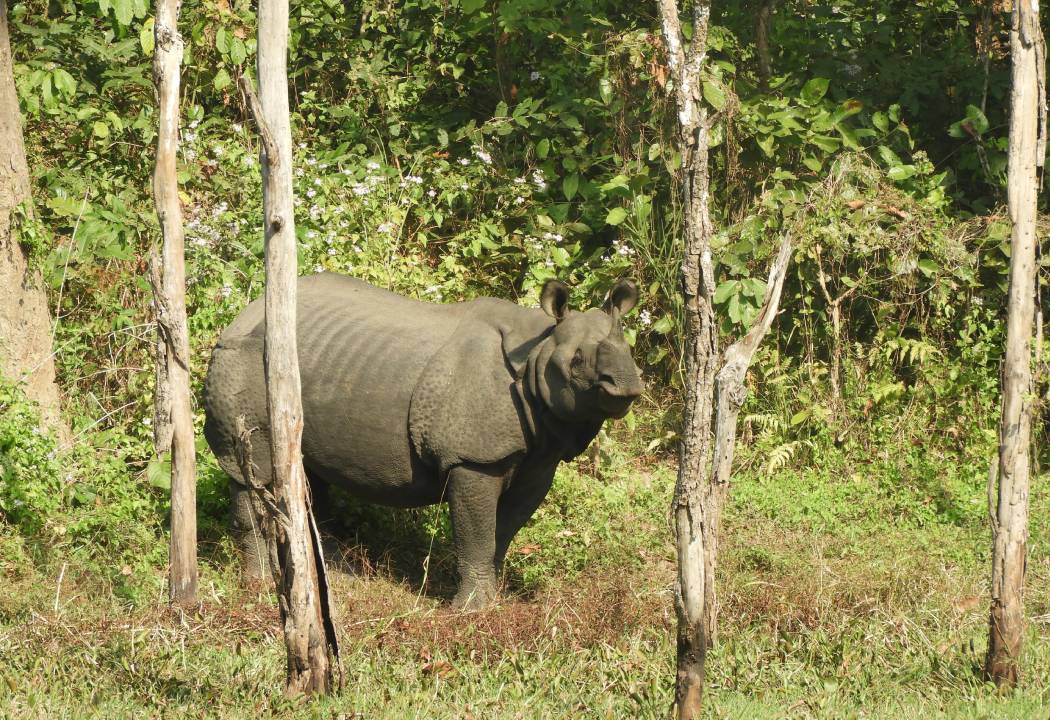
1010, 518
306, 610
173, 406
25, 322
763, 18
714, 381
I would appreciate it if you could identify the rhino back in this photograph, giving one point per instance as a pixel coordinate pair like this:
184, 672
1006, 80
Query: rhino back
362, 352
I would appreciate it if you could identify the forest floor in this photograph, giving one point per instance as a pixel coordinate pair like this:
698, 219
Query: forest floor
849, 590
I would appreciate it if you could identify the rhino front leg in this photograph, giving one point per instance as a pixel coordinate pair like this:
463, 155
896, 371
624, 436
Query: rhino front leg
517, 504
473, 495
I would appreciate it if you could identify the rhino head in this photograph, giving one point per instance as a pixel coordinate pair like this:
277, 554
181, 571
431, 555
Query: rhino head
583, 370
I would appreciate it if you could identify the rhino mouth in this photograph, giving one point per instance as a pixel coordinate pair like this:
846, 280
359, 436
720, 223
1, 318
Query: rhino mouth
613, 403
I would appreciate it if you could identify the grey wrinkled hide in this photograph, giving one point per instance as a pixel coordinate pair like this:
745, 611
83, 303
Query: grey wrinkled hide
408, 403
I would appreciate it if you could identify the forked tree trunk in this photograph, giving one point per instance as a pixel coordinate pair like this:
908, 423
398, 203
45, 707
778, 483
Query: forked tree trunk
306, 610
714, 381
173, 406
1010, 516
25, 322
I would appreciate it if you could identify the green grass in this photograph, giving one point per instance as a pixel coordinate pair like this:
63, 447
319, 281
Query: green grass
848, 591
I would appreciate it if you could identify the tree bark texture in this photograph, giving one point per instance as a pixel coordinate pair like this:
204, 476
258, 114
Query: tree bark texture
25, 321
763, 19
309, 628
714, 380
173, 406
1027, 150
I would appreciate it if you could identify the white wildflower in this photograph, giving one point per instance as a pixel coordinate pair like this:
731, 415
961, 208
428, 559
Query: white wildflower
482, 155
318, 268
387, 227
432, 192
535, 75
236, 127
310, 193
226, 291
464, 161
372, 165
332, 251
218, 150
645, 318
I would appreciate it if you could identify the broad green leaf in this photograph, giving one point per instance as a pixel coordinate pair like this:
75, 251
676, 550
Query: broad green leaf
222, 80
100, 129
471, 6
768, 144
849, 138
880, 121
901, 172
928, 267
442, 136
238, 53
654, 151
605, 90
560, 257
888, 156
158, 472
813, 163
222, 41
501, 110
569, 185
543, 148
725, 291
714, 94
814, 90
977, 119
825, 142
663, 325
734, 309
616, 216
124, 11
146, 37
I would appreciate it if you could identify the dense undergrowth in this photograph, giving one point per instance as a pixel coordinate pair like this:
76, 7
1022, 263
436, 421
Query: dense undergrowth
451, 149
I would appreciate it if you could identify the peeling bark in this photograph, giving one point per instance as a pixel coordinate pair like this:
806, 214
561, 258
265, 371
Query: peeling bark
306, 608
25, 321
714, 380
1026, 153
173, 405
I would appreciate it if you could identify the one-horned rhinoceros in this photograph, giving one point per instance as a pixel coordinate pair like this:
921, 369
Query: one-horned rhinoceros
407, 403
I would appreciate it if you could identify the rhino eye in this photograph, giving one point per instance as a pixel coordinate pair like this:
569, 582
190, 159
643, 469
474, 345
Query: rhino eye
577, 359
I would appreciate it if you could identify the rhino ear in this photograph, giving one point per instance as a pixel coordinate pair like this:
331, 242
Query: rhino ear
622, 298
555, 299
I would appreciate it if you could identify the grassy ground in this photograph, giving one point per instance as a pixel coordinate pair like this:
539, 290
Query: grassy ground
849, 590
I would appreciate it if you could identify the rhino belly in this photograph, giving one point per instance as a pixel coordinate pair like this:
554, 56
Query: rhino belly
358, 376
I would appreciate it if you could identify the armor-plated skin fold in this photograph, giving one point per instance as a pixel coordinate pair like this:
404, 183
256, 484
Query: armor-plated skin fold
409, 403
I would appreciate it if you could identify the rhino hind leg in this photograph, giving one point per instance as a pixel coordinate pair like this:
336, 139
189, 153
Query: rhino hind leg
253, 533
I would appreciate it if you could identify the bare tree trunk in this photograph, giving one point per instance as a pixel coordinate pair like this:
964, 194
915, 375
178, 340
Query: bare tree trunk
1010, 518
714, 382
763, 18
309, 628
25, 322
173, 422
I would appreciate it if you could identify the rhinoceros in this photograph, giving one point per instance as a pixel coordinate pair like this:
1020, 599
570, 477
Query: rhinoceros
408, 403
